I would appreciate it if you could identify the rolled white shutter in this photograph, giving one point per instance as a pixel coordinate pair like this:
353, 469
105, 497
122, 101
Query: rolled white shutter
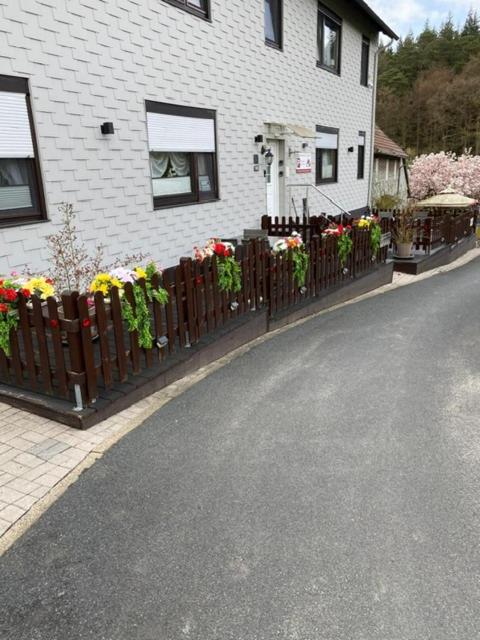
15, 134
327, 140
178, 133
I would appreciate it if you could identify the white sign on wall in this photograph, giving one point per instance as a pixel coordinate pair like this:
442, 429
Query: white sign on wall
304, 163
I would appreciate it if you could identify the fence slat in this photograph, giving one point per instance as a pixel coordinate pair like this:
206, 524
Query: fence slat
58, 350
118, 332
42, 344
102, 328
25, 329
70, 311
86, 336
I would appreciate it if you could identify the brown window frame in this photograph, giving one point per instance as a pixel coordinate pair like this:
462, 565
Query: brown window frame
318, 157
365, 61
196, 196
189, 8
38, 211
324, 14
274, 43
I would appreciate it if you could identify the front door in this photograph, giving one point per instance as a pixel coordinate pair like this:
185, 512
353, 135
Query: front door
273, 180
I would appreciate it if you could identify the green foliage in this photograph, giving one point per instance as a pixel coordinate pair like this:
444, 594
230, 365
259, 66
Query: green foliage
8, 321
300, 266
229, 274
429, 89
387, 201
138, 320
375, 237
344, 246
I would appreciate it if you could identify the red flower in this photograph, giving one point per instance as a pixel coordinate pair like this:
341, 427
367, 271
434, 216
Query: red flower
340, 228
3, 307
10, 295
26, 293
198, 280
48, 280
2, 291
86, 323
54, 323
219, 248
1, 283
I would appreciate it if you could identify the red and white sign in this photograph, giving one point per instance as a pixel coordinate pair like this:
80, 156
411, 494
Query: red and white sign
304, 163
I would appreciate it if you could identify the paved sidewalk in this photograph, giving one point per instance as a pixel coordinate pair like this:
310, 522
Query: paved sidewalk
37, 453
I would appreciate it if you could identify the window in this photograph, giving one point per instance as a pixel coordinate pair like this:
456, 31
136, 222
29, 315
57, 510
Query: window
21, 194
361, 155
365, 61
326, 155
198, 7
329, 35
182, 154
273, 23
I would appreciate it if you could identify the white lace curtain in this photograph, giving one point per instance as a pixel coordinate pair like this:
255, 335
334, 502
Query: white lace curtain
169, 164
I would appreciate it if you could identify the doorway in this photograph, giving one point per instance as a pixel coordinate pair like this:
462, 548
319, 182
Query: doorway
274, 178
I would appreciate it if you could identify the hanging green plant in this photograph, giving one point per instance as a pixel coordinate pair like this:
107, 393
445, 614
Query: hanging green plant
8, 321
228, 269
375, 237
139, 319
345, 245
295, 247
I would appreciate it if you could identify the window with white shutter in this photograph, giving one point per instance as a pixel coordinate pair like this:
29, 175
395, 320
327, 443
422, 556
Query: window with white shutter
326, 154
182, 146
21, 194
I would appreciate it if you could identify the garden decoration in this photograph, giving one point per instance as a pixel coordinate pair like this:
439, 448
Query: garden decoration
294, 247
229, 271
373, 224
344, 241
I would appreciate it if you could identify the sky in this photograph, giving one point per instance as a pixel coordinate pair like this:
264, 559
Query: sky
405, 15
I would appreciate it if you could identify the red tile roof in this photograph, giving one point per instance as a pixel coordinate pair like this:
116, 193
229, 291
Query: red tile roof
385, 146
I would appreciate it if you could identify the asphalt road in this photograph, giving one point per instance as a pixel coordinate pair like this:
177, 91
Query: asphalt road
324, 486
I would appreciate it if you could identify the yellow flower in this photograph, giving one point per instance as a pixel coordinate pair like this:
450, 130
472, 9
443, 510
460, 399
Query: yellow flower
40, 287
362, 223
103, 282
140, 271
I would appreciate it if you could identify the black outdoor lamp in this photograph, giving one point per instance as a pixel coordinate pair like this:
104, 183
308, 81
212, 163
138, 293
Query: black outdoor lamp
268, 155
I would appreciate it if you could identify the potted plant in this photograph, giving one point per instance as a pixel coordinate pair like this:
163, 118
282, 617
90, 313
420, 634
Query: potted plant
229, 271
403, 233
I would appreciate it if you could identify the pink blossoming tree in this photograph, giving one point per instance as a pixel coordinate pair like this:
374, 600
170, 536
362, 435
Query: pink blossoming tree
430, 174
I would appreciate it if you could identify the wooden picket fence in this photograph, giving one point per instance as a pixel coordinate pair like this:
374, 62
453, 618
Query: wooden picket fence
434, 228
79, 349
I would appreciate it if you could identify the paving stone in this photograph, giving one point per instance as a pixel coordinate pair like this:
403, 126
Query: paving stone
11, 513
48, 448
4, 525
28, 460
26, 502
10, 495
20, 484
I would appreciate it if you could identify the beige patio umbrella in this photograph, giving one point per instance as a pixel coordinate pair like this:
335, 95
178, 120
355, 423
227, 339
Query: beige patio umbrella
447, 199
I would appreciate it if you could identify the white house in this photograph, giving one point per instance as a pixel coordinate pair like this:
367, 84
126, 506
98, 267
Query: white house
390, 173
157, 119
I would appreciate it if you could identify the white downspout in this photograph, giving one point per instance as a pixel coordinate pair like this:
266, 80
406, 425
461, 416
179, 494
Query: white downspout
374, 107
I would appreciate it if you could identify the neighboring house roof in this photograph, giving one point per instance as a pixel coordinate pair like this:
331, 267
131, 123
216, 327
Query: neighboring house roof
385, 146
376, 19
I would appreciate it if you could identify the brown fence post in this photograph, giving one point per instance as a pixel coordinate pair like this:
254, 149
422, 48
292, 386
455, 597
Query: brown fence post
77, 364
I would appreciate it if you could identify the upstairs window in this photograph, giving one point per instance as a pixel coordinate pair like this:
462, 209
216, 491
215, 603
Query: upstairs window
326, 155
21, 194
182, 154
365, 61
329, 35
273, 23
200, 8
361, 155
